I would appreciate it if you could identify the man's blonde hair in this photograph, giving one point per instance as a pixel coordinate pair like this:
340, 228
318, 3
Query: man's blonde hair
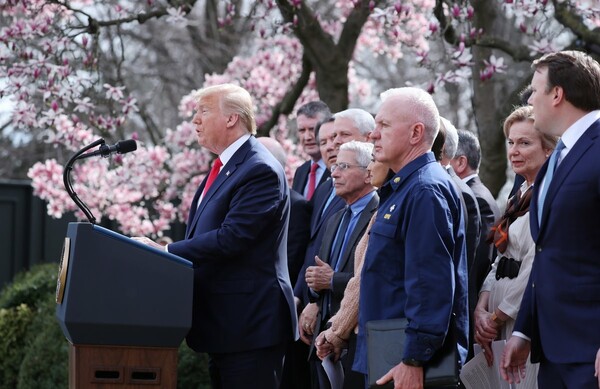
233, 99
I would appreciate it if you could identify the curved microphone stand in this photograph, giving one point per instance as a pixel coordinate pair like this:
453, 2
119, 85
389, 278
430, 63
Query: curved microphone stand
67, 180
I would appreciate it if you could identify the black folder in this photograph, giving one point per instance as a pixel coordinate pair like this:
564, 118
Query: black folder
385, 346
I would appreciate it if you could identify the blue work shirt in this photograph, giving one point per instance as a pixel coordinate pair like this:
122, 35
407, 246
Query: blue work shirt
415, 265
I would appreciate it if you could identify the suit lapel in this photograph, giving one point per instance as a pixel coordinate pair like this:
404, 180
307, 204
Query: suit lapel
563, 170
334, 206
194, 206
361, 223
324, 177
329, 237
226, 172
304, 169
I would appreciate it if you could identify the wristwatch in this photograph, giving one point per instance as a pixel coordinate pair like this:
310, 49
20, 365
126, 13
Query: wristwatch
412, 362
496, 319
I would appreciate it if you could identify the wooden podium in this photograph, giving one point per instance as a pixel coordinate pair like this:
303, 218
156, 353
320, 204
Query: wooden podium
111, 367
124, 307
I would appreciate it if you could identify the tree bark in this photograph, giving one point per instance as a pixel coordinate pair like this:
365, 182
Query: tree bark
328, 59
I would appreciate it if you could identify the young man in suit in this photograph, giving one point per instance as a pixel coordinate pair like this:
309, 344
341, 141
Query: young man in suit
559, 319
243, 313
313, 172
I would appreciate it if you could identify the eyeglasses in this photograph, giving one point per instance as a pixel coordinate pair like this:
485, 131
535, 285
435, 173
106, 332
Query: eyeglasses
344, 166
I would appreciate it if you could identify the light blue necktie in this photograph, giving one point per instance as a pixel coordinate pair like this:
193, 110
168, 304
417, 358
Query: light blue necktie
549, 174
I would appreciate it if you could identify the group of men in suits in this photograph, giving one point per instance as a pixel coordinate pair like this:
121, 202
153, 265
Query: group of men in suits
245, 311
321, 283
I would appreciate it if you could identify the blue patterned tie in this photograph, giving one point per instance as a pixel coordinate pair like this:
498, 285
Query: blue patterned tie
549, 174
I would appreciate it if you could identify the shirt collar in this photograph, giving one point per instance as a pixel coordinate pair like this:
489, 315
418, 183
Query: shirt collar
360, 204
321, 164
468, 178
232, 148
410, 168
573, 133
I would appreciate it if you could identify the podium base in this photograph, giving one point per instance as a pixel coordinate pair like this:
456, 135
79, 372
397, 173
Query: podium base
109, 367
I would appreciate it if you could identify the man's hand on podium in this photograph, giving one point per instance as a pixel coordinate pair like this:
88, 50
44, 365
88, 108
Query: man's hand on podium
150, 242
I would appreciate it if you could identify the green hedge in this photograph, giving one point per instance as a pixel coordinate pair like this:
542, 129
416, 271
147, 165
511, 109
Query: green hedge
33, 350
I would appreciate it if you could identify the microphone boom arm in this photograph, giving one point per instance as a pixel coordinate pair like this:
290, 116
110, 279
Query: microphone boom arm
67, 180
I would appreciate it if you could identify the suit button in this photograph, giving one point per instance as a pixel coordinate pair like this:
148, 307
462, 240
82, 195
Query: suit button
533, 284
538, 249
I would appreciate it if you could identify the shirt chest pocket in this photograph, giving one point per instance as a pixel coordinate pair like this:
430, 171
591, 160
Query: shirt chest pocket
384, 229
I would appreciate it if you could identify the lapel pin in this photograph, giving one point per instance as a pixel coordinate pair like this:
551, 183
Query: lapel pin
227, 173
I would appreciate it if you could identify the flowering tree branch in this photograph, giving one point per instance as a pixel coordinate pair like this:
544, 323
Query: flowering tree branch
286, 105
567, 16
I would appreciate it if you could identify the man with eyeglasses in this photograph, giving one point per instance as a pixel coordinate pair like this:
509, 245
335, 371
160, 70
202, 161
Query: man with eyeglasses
334, 266
331, 133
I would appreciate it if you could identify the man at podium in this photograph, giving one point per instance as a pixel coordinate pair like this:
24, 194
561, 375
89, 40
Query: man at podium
243, 313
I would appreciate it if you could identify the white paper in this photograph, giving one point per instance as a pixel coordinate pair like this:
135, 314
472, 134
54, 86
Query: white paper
476, 374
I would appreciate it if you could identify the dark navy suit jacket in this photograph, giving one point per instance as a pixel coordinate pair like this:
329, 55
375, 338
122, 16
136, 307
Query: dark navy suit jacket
301, 177
298, 233
237, 241
490, 212
346, 265
318, 222
560, 310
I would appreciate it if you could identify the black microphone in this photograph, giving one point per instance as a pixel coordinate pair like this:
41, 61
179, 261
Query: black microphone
121, 147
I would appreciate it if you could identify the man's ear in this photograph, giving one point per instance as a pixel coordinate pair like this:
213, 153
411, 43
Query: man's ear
558, 95
232, 119
460, 164
417, 133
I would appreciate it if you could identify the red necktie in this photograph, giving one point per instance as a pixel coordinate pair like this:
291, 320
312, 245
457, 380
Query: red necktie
214, 172
312, 180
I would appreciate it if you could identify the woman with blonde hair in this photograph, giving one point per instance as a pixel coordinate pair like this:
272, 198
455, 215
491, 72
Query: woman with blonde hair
501, 293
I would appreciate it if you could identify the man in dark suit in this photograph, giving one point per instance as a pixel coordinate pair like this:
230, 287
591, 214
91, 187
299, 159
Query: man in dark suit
243, 314
473, 219
466, 165
559, 319
334, 266
351, 124
313, 172
296, 373
300, 212
348, 125
415, 264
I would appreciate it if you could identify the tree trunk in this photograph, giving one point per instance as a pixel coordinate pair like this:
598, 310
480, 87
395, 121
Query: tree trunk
494, 99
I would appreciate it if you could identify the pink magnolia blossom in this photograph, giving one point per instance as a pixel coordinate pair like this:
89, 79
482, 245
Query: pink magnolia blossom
57, 96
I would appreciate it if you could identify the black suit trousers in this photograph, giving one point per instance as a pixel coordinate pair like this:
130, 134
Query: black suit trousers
259, 368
